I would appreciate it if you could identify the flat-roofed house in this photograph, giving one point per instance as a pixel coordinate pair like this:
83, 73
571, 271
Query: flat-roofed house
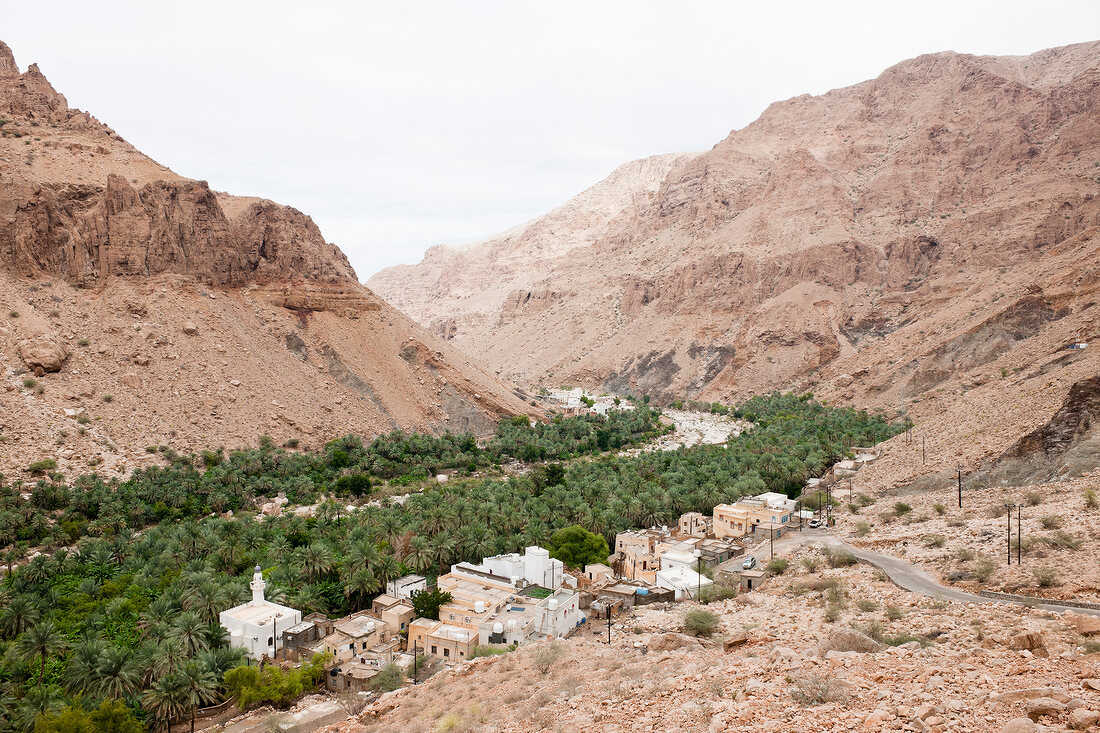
739, 519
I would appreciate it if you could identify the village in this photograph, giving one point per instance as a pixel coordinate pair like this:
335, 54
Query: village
509, 600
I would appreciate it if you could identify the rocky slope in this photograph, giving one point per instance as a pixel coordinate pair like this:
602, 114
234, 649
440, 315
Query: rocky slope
898, 243
142, 308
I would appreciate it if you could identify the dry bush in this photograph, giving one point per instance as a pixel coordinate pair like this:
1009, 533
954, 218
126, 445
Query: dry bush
894, 613
862, 529
698, 622
935, 540
1051, 521
1045, 577
848, 640
815, 689
866, 605
547, 655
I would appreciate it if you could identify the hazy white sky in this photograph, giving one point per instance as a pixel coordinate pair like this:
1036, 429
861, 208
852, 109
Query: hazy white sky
401, 125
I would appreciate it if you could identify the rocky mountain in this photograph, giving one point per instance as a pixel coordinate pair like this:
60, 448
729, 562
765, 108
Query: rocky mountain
141, 308
926, 239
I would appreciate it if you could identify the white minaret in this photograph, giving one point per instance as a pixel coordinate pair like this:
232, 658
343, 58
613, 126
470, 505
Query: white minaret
258, 586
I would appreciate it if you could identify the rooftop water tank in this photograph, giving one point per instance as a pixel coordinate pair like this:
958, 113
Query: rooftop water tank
553, 604
498, 628
479, 606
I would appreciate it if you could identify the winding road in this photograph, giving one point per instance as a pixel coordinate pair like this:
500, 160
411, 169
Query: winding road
903, 574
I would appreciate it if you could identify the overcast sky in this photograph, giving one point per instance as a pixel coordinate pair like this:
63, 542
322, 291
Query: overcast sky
401, 125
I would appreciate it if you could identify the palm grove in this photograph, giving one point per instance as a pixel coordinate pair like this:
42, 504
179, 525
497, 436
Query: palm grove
117, 615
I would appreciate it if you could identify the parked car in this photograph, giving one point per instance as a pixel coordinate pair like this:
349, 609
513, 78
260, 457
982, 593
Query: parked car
815, 523
749, 564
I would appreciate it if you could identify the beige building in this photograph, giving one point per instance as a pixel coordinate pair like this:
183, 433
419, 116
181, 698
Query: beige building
397, 613
638, 553
695, 524
740, 518
357, 635
442, 640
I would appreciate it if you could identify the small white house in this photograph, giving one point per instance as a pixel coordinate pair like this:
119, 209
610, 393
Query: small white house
533, 567
682, 581
256, 626
404, 587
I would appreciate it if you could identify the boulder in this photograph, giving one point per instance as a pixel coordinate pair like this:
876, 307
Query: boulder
1082, 718
1031, 641
735, 640
1085, 624
190, 328
848, 640
1020, 725
671, 640
1044, 706
43, 354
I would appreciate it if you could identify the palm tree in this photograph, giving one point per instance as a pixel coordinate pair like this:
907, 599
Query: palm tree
21, 613
316, 561
362, 584
41, 640
207, 598
201, 686
419, 556
82, 664
117, 675
166, 699
37, 702
189, 631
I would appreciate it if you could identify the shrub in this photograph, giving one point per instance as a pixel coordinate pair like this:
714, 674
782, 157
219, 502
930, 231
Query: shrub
866, 605
108, 398
839, 558
832, 613
83, 419
935, 540
983, 570
487, 651
816, 689
894, 613
547, 655
965, 554
30, 383
46, 464
718, 591
1060, 540
1090, 499
1045, 577
698, 622
1051, 521
863, 529
82, 342
811, 563
274, 685
939, 508
389, 678
1033, 498
865, 500
778, 566
901, 508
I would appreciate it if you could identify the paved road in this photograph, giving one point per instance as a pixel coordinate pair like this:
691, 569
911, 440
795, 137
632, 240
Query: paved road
904, 574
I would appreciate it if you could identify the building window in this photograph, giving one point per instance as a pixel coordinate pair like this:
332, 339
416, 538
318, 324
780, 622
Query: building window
270, 641
434, 650
446, 652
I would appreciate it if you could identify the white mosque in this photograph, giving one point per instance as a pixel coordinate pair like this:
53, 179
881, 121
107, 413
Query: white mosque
255, 626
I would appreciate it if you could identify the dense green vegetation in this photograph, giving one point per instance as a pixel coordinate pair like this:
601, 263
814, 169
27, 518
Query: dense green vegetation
130, 612
576, 547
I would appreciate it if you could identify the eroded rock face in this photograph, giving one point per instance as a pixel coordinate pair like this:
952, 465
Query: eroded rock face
829, 225
43, 354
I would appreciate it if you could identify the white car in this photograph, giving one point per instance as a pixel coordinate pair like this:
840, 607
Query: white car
749, 564
815, 523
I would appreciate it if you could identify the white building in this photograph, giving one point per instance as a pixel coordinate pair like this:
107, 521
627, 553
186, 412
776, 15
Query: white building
526, 619
684, 582
533, 567
403, 588
255, 626
680, 555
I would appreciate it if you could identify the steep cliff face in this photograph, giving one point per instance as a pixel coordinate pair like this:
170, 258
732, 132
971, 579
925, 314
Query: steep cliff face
209, 319
864, 243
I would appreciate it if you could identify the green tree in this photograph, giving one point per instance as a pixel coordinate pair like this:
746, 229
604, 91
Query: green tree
426, 603
201, 686
41, 641
576, 547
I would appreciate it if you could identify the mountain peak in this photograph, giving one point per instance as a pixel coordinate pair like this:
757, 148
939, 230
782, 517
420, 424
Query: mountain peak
7, 61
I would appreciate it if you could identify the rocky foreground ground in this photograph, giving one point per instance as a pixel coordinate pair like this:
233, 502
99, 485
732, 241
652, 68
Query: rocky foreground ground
818, 649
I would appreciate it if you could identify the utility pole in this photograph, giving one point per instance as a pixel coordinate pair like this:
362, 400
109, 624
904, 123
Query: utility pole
922, 451
1009, 543
609, 623
771, 544
414, 663
1019, 531
959, 468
